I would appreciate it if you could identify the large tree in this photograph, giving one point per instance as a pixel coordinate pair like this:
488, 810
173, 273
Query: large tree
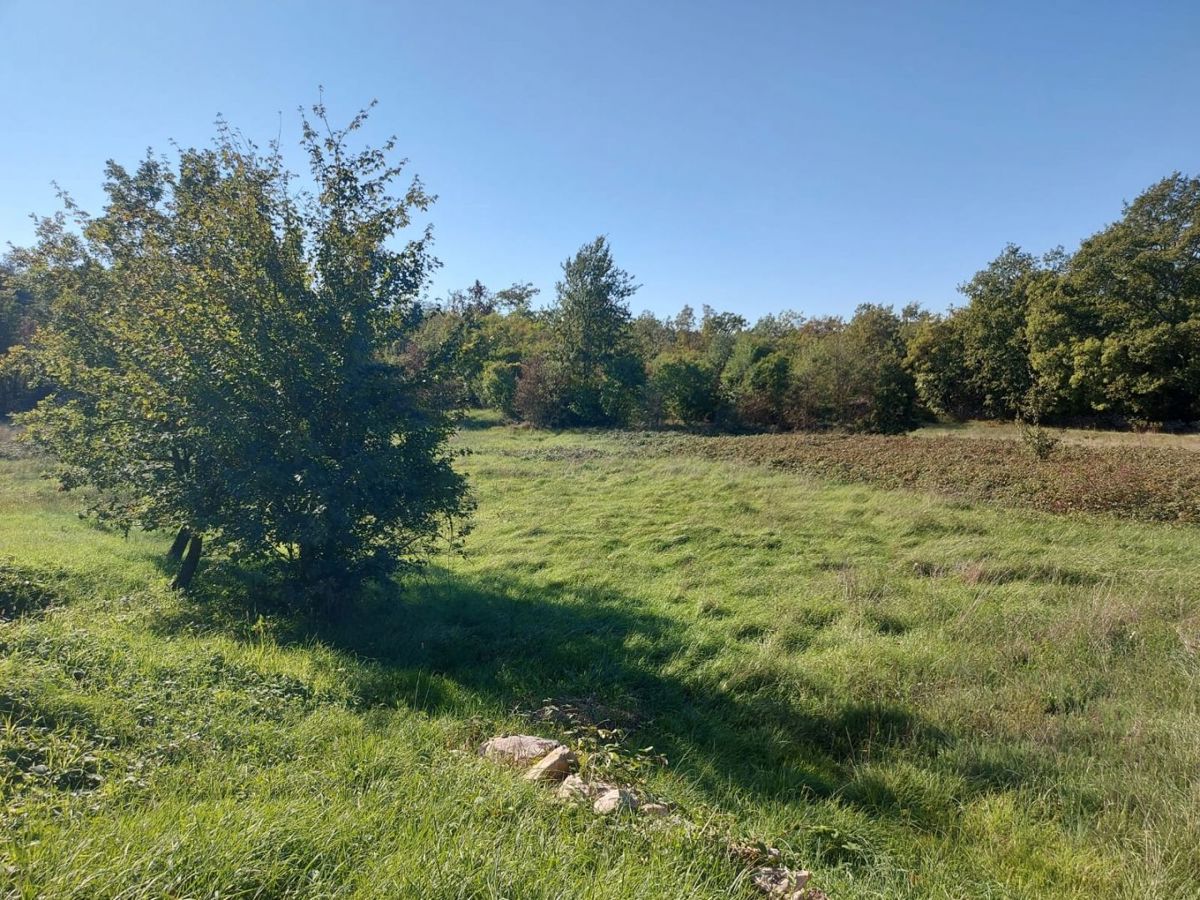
591, 338
1119, 331
217, 346
992, 329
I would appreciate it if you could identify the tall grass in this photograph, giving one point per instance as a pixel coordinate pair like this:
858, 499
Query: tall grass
913, 697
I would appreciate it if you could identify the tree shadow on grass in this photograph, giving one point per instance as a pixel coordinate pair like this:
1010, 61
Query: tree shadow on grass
442, 643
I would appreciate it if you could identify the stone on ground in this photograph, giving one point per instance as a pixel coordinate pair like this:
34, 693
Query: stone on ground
554, 766
780, 882
575, 788
518, 749
614, 799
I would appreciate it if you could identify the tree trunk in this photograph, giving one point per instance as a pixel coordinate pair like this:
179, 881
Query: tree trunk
175, 554
188, 569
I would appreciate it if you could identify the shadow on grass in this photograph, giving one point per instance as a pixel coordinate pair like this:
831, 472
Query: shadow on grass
445, 644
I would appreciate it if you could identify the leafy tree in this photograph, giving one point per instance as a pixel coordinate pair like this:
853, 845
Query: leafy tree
1119, 331
853, 377
935, 356
460, 335
684, 327
718, 332
777, 325
995, 344
651, 335
762, 395
886, 397
590, 340
218, 350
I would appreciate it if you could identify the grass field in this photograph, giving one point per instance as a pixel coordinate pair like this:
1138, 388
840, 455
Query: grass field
910, 695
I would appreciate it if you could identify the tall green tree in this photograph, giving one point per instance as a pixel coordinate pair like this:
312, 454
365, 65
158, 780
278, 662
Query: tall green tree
217, 346
1119, 331
935, 356
591, 338
992, 329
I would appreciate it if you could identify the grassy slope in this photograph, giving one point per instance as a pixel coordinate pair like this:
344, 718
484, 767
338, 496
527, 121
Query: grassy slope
913, 697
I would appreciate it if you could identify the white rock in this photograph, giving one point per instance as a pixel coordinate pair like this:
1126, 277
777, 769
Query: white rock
777, 881
574, 788
554, 766
614, 799
518, 749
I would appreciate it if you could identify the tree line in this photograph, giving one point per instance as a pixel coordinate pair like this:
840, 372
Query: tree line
1108, 335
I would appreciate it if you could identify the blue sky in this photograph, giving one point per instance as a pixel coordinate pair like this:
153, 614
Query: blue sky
754, 156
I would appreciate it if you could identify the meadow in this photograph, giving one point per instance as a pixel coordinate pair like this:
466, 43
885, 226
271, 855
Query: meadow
910, 691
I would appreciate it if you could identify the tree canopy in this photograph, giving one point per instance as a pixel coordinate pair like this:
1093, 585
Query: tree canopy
218, 347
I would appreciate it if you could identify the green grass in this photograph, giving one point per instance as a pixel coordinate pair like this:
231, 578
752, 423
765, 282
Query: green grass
911, 696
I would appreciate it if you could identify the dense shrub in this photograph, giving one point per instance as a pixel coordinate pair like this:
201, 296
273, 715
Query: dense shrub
221, 350
687, 389
537, 396
498, 386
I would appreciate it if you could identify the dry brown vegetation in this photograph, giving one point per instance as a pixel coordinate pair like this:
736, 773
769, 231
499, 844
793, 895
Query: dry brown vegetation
1127, 481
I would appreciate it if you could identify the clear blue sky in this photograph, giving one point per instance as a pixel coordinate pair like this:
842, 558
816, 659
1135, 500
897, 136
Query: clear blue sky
751, 155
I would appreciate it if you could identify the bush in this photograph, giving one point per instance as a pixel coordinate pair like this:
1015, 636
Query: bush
498, 386
219, 351
687, 389
1037, 439
538, 397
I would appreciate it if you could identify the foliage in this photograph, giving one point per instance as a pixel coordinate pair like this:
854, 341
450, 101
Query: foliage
217, 344
459, 336
936, 357
498, 386
590, 341
1119, 331
25, 293
688, 389
761, 395
538, 395
995, 347
1040, 442
1109, 334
